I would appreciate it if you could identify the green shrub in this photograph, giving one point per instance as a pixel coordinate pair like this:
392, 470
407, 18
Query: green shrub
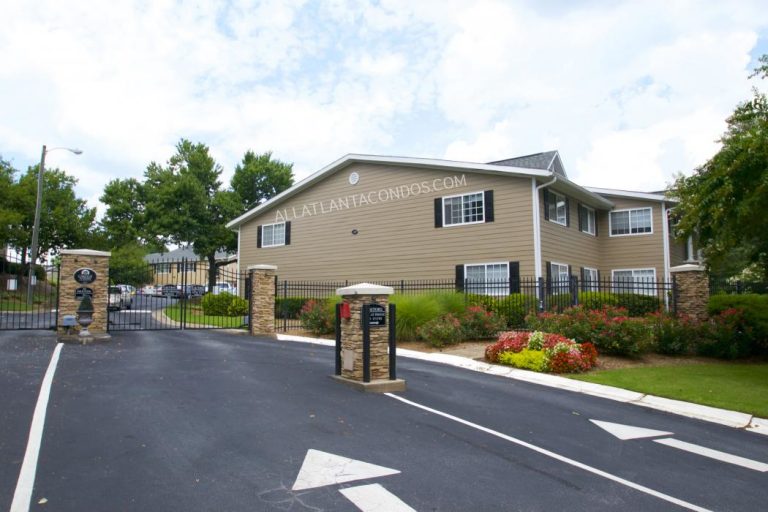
511, 308
237, 307
674, 335
597, 299
755, 314
413, 311
727, 335
609, 329
289, 307
450, 302
558, 301
217, 305
526, 359
445, 330
637, 304
478, 323
319, 316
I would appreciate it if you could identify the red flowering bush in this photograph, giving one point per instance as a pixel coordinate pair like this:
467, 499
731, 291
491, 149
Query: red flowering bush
550, 352
727, 335
318, 317
479, 323
442, 331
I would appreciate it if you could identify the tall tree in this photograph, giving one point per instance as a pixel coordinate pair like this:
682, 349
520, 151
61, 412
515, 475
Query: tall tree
124, 222
724, 202
259, 178
8, 216
65, 220
185, 206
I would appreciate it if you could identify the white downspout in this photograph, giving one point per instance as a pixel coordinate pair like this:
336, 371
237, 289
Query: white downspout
537, 223
665, 233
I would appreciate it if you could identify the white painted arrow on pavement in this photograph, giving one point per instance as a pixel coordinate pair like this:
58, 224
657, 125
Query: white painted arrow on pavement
320, 469
627, 432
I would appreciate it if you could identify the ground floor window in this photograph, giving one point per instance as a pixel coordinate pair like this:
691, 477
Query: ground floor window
560, 275
636, 280
591, 280
487, 278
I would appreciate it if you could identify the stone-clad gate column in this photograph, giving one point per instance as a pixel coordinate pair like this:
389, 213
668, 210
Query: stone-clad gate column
692, 283
355, 297
262, 299
84, 271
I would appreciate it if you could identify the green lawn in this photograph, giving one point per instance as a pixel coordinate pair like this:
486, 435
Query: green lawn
195, 316
13, 305
738, 387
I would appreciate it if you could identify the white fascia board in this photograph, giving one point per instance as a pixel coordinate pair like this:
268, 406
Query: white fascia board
584, 194
631, 194
428, 163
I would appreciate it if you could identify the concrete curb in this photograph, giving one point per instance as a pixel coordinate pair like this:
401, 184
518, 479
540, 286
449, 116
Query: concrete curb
701, 412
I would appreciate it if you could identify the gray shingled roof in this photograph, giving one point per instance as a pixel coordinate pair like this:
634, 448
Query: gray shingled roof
548, 161
181, 253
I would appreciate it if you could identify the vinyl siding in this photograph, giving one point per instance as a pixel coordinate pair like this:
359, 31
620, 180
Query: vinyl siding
632, 251
396, 239
568, 245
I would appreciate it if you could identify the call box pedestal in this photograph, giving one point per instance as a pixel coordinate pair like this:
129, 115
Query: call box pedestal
365, 339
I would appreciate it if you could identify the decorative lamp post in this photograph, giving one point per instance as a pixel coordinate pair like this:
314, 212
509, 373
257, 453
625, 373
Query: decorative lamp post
36, 228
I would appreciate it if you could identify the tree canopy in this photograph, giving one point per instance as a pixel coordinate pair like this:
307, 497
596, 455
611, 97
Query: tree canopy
724, 203
259, 178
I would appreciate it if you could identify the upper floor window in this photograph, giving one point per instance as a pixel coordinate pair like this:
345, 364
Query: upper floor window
587, 222
631, 222
273, 234
555, 207
464, 209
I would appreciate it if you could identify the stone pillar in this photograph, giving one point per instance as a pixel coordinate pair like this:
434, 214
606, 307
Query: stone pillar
352, 340
692, 283
262, 299
97, 262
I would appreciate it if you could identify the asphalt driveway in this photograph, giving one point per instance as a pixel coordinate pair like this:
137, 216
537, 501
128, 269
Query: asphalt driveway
205, 420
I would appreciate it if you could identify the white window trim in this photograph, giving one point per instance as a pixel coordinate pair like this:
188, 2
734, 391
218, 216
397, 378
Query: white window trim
610, 221
593, 285
442, 203
546, 205
264, 245
652, 269
594, 224
559, 285
485, 284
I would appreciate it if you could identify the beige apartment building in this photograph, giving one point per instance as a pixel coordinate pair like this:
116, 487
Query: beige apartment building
375, 218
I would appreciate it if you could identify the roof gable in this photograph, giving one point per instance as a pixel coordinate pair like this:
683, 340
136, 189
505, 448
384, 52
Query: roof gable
547, 161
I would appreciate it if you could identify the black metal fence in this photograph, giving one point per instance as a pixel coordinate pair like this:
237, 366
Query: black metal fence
176, 294
512, 299
736, 286
28, 303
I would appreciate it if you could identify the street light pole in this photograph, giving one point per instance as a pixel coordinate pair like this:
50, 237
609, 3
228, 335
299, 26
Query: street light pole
36, 228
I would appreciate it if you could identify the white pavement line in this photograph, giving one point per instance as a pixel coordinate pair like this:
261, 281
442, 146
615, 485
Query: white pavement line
23, 493
714, 454
561, 458
375, 498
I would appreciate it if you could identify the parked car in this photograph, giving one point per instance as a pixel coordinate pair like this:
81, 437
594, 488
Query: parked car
119, 299
171, 290
224, 288
127, 288
194, 290
148, 290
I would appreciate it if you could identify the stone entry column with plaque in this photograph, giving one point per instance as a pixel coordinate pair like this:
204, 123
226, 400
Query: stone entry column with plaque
352, 328
84, 273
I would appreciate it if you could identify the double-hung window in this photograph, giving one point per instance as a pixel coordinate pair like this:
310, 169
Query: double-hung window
487, 278
557, 208
560, 277
631, 222
637, 280
464, 209
273, 235
590, 279
587, 220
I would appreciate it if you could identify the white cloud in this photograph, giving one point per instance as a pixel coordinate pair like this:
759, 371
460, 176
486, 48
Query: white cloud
640, 86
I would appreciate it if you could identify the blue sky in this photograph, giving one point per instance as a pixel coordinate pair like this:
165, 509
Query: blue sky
629, 92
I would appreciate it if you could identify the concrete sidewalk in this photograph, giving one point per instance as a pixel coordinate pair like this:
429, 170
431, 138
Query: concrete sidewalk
701, 412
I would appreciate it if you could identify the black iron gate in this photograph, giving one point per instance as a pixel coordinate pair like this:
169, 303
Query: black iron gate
28, 302
176, 294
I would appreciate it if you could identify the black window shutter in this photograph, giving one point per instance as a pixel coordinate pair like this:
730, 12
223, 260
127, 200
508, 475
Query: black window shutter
580, 209
514, 277
581, 278
488, 206
258, 237
546, 204
288, 233
549, 277
595, 222
598, 280
567, 212
459, 278
438, 212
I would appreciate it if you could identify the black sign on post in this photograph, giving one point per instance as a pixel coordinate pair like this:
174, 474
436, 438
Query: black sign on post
85, 275
377, 315
82, 292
